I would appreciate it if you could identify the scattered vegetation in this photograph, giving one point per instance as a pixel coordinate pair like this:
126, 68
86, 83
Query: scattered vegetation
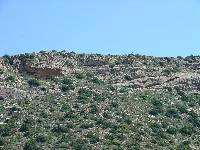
99, 110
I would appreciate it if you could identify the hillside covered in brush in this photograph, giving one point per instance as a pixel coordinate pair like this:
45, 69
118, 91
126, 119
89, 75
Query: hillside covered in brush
59, 100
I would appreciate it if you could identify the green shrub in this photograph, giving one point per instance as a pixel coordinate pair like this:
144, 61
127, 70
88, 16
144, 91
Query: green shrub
60, 129
116, 142
85, 92
30, 145
114, 104
184, 146
154, 112
42, 52
80, 76
2, 142
54, 51
34, 83
112, 88
66, 108
169, 71
5, 130
1, 71
93, 138
118, 62
110, 136
24, 128
182, 108
98, 97
161, 63
96, 80
41, 138
26, 56
193, 114
192, 104
156, 127
127, 77
84, 95
157, 103
158, 131
44, 114
11, 78
125, 119
67, 81
171, 130
86, 125
70, 115
43, 89
133, 145
184, 98
123, 90
179, 91
26, 125
104, 123
94, 109
66, 88
186, 130
80, 144
107, 115
194, 119
160, 135
157, 108
70, 125
169, 89
1, 98
172, 113
7, 59
146, 96
191, 59
54, 79
13, 109
89, 75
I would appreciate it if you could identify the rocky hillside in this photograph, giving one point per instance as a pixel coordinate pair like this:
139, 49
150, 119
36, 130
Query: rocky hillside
60, 100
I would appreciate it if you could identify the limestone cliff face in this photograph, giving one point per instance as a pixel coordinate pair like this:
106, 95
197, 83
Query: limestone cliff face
43, 73
135, 71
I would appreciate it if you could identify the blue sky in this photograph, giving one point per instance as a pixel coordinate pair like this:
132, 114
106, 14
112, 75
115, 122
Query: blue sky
151, 27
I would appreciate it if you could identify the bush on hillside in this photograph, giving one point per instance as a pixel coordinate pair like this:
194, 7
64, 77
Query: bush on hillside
80, 76
1, 71
34, 83
11, 78
67, 81
172, 113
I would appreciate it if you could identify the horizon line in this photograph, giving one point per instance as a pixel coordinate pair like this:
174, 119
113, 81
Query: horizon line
92, 53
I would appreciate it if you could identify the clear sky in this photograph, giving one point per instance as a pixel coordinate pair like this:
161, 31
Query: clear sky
152, 27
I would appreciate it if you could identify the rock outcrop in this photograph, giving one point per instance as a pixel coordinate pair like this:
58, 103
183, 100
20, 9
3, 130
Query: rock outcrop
44, 73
